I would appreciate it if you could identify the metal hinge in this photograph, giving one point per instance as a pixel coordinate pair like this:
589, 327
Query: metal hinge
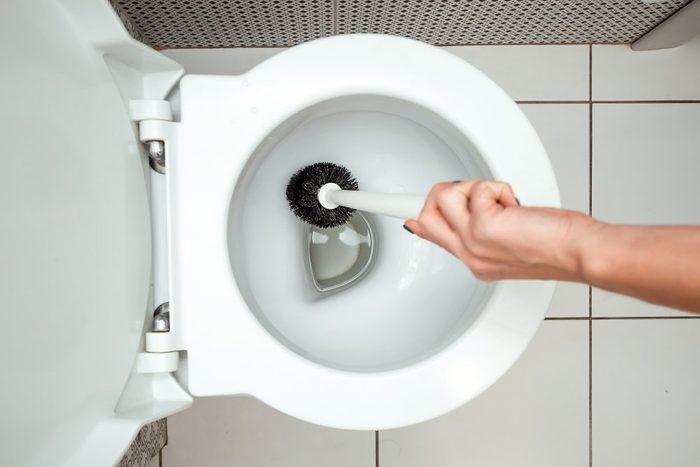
154, 118
161, 318
156, 155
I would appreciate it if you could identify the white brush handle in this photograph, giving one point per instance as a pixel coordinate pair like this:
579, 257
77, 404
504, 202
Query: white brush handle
388, 204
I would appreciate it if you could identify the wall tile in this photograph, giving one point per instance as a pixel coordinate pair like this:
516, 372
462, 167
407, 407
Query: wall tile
536, 415
645, 393
155, 462
220, 61
646, 163
529, 72
241, 431
620, 73
552, 72
563, 129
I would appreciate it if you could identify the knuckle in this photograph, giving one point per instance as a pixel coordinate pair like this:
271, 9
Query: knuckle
478, 186
447, 195
438, 188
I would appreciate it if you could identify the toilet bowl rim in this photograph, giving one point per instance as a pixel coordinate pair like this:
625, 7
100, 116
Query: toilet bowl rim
292, 368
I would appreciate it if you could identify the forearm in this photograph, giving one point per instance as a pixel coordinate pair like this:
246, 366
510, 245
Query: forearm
656, 264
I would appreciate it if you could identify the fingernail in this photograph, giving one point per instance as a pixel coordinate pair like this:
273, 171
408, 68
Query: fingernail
517, 201
456, 181
409, 230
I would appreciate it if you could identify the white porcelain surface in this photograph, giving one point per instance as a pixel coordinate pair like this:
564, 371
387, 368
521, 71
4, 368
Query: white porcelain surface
533, 72
645, 392
563, 129
388, 319
620, 73
226, 119
75, 249
233, 431
645, 169
536, 415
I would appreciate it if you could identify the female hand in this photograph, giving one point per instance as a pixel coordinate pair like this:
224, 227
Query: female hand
482, 224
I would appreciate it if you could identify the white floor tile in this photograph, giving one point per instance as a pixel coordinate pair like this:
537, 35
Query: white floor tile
646, 163
620, 73
220, 61
533, 72
646, 382
563, 129
240, 431
536, 415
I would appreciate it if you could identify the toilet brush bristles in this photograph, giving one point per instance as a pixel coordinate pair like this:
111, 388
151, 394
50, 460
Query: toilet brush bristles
302, 194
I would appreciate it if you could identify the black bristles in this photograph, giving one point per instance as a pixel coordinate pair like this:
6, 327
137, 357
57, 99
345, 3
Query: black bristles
302, 194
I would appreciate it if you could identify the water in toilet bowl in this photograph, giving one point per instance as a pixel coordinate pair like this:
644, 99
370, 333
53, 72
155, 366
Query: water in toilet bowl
416, 298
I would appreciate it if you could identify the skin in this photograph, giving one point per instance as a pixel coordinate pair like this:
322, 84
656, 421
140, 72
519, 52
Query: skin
482, 224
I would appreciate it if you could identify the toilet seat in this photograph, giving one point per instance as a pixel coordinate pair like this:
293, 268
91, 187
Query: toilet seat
83, 374
223, 120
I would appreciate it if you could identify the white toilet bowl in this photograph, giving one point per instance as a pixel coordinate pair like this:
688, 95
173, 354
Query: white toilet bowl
412, 337
419, 335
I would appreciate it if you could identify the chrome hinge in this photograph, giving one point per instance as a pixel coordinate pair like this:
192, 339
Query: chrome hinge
156, 155
154, 119
161, 318
143, 110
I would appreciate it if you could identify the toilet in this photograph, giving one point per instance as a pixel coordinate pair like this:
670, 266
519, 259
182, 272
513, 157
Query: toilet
154, 258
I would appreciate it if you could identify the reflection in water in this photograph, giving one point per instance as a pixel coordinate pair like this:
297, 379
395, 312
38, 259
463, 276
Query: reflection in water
340, 256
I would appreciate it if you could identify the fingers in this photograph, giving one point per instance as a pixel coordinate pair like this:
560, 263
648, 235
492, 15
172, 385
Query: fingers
454, 205
445, 218
488, 195
431, 224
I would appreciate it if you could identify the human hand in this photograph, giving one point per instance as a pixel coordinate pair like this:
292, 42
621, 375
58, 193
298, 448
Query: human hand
482, 224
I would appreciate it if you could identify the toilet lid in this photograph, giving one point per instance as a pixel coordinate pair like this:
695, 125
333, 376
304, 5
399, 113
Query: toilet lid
75, 249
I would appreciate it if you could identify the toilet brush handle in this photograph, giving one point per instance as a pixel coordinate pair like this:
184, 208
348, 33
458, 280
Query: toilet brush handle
402, 206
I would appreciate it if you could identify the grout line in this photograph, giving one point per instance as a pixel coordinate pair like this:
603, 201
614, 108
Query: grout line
590, 290
590, 393
566, 318
552, 102
650, 101
612, 318
376, 448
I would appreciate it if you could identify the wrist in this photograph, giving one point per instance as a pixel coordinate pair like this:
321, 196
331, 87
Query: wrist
591, 261
575, 253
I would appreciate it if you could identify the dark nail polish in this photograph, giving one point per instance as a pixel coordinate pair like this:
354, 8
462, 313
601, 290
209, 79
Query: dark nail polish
409, 230
456, 181
517, 201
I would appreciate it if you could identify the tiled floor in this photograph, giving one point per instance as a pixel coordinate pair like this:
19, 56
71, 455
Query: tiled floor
601, 384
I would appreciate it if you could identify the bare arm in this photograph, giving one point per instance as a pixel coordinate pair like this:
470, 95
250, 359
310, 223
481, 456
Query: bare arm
482, 224
659, 264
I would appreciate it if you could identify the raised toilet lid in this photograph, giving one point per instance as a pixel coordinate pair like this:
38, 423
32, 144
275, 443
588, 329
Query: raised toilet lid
74, 223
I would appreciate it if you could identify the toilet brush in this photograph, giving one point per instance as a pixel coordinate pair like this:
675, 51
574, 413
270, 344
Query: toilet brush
326, 195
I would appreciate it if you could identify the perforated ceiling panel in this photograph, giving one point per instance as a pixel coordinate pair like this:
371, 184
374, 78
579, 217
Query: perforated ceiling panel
165, 24
505, 22
169, 24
